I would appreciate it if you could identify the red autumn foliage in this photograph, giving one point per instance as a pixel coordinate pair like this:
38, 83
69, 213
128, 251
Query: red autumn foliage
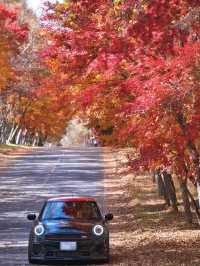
137, 62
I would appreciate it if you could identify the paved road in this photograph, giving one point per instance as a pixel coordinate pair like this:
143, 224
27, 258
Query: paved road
31, 178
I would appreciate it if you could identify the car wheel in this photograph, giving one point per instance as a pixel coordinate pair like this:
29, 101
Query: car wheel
32, 261
104, 261
108, 251
107, 260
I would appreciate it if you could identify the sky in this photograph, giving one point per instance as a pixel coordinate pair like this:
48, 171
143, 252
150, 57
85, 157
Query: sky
35, 4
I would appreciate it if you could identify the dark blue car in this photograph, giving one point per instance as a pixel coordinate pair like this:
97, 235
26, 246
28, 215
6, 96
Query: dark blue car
69, 229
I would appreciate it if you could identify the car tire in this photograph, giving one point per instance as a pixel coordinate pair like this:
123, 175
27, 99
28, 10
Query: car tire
31, 261
107, 260
104, 261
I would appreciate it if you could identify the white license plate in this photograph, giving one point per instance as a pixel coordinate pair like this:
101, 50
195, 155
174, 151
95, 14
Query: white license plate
68, 246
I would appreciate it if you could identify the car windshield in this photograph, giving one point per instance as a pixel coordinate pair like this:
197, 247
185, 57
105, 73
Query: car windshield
70, 210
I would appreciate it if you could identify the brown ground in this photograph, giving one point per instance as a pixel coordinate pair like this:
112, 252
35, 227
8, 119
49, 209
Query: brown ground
143, 232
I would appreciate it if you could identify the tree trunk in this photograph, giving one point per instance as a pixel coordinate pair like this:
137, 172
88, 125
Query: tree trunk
18, 136
2, 133
35, 140
195, 205
186, 202
10, 135
6, 132
170, 190
190, 145
153, 177
198, 192
23, 138
12, 140
161, 188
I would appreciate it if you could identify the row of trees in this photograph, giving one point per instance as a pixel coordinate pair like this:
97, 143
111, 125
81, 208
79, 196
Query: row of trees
129, 68
133, 70
16, 46
33, 106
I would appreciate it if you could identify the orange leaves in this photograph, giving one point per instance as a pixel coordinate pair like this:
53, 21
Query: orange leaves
129, 68
11, 36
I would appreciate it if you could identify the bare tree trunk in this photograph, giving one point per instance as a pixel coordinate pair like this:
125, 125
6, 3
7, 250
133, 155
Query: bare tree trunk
6, 132
18, 136
14, 134
153, 174
161, 188
27, 139
23, 139
3, 132
35, 140
195, 206
170, 190
198, 192
186, 202
10, 135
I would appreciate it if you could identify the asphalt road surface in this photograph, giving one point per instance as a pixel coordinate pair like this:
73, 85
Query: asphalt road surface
31, 178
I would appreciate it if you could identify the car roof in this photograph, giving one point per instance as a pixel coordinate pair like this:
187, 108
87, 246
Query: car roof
72, 199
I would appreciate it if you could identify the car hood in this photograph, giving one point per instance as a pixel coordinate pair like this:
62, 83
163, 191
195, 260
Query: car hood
69, 227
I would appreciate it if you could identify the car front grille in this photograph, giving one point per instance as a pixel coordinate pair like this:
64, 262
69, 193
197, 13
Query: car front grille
64, 254
68, 237
85, 245
84, 248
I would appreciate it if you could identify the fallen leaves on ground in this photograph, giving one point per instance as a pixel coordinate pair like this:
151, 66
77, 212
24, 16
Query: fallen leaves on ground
144, 231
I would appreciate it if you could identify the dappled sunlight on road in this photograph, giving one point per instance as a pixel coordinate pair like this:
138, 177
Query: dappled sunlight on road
29, 179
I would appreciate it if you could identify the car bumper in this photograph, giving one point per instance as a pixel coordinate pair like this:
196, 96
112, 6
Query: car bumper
86, 250
68, 258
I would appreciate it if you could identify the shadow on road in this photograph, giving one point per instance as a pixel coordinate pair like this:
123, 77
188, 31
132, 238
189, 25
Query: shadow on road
28, 180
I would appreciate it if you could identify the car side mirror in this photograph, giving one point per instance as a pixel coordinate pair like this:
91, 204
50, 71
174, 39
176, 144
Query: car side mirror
108, 217
31, 216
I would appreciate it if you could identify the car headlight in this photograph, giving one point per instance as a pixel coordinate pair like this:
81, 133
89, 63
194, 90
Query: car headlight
98, 230
39, 230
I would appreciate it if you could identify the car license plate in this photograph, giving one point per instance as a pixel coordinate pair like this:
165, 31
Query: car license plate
68, 246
